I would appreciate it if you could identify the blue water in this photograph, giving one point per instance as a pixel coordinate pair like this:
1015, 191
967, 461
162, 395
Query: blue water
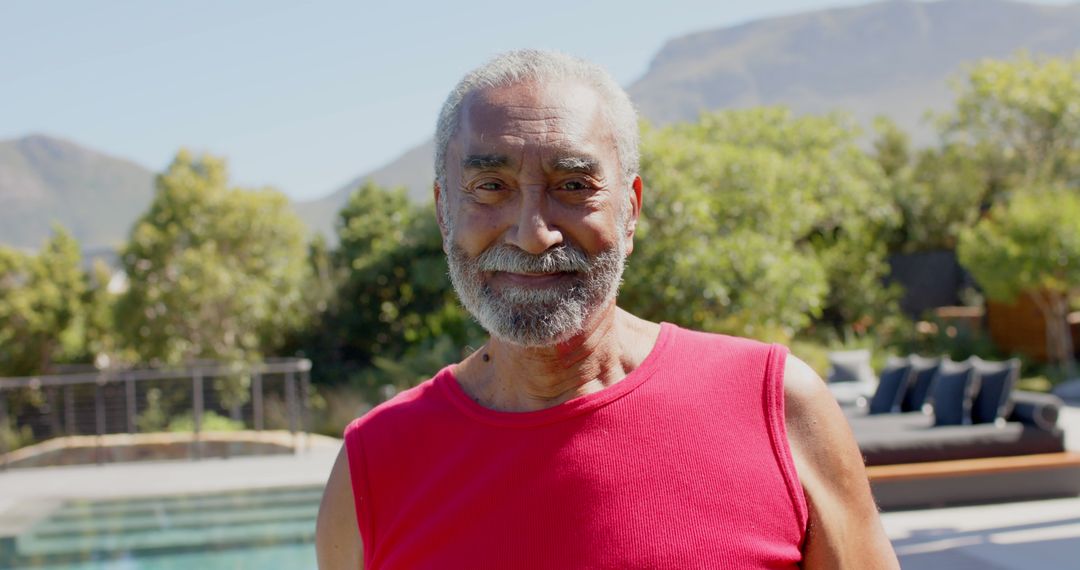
264, 529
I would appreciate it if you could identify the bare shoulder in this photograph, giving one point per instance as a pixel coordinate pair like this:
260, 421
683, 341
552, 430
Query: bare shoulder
337, 536
845, 528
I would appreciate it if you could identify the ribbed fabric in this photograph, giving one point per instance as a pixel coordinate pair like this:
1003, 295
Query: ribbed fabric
682, 464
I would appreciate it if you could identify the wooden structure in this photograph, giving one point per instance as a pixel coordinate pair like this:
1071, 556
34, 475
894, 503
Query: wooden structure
988, 479
1019, 327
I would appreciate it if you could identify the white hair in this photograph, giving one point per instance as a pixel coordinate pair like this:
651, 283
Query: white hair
529, 65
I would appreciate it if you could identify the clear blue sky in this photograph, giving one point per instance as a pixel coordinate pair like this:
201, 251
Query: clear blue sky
300, 96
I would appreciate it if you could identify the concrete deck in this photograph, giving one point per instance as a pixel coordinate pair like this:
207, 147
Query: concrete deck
27, 495
1007, 536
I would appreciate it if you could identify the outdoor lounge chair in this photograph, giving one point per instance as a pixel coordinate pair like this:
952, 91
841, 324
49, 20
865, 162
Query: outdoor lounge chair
971, 438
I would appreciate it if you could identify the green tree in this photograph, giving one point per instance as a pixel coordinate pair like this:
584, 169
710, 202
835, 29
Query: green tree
756, 222
41, 299
392, 294
937, 192
1031, 246
214, 272
98, 317
1022, 118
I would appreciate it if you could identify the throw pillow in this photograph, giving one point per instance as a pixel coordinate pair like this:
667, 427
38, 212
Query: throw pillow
850, 366
891, 387
996, 381
922, 379
952, 390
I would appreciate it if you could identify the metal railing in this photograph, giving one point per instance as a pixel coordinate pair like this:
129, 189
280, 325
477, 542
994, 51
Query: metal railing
270, 395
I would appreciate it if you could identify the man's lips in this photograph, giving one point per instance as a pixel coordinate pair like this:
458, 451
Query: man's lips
529, 279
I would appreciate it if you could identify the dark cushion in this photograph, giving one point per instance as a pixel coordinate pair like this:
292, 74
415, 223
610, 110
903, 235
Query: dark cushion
850, 366
922, 377
890, 391
952, 392
1036, 410
996, 381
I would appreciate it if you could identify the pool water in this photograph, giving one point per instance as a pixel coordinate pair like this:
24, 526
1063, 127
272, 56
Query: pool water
258, 529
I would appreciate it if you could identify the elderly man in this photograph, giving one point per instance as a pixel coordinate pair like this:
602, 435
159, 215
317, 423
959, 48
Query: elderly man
579, 435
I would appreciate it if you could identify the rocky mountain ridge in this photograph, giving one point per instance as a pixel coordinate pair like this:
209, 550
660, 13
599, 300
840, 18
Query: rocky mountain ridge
894, 57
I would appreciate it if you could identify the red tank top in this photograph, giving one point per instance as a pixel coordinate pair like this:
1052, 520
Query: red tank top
682, 464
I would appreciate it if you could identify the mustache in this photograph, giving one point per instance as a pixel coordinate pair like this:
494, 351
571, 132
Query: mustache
561, 259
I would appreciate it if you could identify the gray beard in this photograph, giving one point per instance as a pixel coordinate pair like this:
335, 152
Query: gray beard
543, 316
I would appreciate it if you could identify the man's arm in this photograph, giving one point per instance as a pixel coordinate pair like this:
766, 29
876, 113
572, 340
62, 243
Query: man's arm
337, 536
845, 529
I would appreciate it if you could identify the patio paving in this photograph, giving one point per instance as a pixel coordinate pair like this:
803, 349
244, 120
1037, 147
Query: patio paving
1005, 536
1025, 535
27, 495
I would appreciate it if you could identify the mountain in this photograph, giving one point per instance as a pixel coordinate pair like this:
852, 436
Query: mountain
45, 180
414, 170
893, 58
97, 197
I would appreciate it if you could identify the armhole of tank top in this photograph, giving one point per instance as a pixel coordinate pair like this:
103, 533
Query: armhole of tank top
774, 389
358, 475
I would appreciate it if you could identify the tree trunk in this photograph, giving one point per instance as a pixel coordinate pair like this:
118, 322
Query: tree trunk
1065, 340
45, 357
1059, 344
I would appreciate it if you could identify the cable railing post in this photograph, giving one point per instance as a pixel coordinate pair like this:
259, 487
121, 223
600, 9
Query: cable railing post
99, 416
132, 410
197, 412
290, 403
54, 412
305, 403
257, 401
69, 410
4, 427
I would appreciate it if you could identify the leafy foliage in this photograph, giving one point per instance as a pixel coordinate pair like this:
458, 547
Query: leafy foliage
210, 421
1031, 243
755, 222
937, 191
391, 292
102, 344
41, 302
1022, 117
1031, 246
215, 272
13, 436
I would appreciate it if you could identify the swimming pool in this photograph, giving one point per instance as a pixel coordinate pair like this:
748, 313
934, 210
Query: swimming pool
257, 529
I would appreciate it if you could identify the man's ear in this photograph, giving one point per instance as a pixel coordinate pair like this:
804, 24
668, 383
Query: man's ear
635, 212
635, 206
439, 213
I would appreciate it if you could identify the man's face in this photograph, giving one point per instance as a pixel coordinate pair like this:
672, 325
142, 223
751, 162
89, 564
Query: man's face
538, 218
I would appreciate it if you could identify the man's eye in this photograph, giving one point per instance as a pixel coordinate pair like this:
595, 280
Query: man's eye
489, 186
575, 185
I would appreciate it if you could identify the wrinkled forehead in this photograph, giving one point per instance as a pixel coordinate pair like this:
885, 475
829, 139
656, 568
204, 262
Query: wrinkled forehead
548, 117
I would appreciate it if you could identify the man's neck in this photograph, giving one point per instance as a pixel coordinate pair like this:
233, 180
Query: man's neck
508, 377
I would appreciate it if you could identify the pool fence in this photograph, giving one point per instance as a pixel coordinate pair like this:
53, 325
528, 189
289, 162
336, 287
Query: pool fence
198, 398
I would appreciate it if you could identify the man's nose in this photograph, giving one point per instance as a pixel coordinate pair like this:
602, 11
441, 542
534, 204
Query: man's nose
534, 231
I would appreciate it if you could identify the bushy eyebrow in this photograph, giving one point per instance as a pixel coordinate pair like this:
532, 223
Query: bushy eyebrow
583, 164
484, 161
